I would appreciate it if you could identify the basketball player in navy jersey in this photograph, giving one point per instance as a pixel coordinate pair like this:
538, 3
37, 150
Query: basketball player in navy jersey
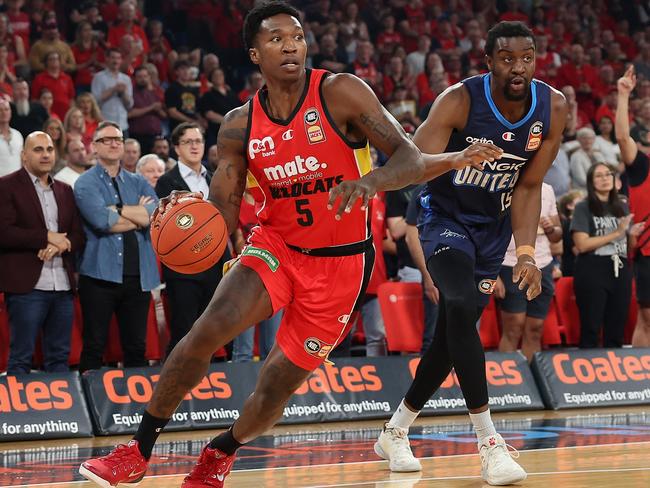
302, 144
472, 213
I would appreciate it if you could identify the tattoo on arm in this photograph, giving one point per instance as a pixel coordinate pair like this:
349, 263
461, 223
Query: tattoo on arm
379, 127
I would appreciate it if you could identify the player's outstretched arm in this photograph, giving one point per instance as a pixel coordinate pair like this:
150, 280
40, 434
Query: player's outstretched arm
527, 200
229, 180
625, 86
353, 105
449, 112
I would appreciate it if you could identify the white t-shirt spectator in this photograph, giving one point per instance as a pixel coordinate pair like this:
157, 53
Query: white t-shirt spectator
543, 256
10, 152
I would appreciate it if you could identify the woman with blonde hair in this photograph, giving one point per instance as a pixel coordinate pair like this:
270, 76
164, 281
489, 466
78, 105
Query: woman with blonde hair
92, 115
54, 128
75, 126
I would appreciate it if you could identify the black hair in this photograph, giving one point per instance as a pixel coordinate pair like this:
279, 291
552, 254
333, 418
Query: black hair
103, 124
614, 203
506, 29
263, 11
180, 130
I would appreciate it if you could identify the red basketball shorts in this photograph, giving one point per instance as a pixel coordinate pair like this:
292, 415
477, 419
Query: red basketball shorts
318, 294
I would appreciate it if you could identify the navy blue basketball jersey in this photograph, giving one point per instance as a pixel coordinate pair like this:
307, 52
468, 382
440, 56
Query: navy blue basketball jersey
473, 196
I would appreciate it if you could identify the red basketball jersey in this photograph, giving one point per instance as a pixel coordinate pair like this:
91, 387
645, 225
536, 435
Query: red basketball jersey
294, 163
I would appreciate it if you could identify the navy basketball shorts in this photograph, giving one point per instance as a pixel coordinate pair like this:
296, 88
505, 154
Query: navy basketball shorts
485, 244
515, 300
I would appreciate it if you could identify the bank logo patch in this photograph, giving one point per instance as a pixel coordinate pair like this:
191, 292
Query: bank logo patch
271, 261
184, 221
487, 286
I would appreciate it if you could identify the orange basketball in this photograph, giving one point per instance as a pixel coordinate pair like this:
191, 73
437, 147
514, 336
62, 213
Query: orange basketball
190, 237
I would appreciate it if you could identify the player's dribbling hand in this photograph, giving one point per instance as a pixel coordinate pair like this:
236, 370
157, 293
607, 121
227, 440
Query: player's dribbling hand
527, 274
349, 192
476, 154
170, 200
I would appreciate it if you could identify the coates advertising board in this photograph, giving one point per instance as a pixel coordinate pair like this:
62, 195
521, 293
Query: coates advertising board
593, 378
511, 387
352, 388
42, 406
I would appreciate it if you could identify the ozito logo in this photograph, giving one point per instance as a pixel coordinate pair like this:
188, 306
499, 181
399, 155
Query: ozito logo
266, 146
508, 136
483, 140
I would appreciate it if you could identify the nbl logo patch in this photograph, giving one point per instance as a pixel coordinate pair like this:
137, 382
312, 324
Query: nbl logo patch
534, 136
487, 286
316, 347
314, 126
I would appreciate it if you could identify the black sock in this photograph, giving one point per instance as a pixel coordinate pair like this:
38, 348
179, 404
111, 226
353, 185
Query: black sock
148, 431
226, 443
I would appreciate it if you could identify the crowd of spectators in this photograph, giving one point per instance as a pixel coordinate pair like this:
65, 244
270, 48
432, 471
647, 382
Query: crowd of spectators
140, 69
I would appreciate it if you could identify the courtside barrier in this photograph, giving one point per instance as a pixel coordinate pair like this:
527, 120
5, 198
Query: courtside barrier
352, 388
43, 406
593, 378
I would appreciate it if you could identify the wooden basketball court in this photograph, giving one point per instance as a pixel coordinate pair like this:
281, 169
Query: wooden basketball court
582, 448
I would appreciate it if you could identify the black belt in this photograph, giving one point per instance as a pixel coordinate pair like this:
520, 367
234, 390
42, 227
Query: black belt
336, 251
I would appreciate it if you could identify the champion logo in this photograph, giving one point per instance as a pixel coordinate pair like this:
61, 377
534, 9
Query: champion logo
508, 136
287, 135
344, 319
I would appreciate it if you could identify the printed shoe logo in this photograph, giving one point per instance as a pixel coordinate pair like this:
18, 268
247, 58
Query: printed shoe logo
492, 441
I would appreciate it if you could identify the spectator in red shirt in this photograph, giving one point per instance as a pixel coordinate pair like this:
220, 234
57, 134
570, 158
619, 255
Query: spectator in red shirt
426, 82
576, 118
88, 54
445, 36
7, 74
254, 82
616, 58
14, 43
582, 77
364, 67
513, 13
128, 25
414, 24
396, 74
58, 82
19, 21
75, 128
329, 56
47, 100
131, 54
160, 51
388, 38
546, 62
209, 63
90, 110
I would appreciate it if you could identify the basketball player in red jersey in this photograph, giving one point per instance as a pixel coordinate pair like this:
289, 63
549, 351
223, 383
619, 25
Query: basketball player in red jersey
302, 145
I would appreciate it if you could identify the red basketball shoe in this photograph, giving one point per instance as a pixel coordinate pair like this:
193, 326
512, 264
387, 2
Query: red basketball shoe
211, 469
124, 464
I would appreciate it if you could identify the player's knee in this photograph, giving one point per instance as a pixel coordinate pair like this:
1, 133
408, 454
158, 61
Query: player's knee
461, 307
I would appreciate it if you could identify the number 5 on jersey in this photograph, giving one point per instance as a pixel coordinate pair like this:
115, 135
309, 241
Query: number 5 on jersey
307, 218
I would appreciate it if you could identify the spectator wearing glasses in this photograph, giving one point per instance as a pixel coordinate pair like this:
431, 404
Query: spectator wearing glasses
602, 275
113, 91
188, 294
118, 268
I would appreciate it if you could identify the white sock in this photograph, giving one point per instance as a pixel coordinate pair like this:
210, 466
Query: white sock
403, 417
482, 424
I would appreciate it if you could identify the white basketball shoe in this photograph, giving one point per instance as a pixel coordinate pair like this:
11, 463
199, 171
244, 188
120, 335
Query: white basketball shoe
393, 446
497, 464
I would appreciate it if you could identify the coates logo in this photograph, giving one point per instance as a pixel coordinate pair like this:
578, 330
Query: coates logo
331, 379
497, 372
508, 136
487, 286
606, 367
266, 146
34, 395
316, 347
297, 166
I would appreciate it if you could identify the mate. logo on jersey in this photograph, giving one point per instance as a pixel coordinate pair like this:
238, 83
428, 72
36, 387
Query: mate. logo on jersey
266, 146
534, 136
314, 126
297, 166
